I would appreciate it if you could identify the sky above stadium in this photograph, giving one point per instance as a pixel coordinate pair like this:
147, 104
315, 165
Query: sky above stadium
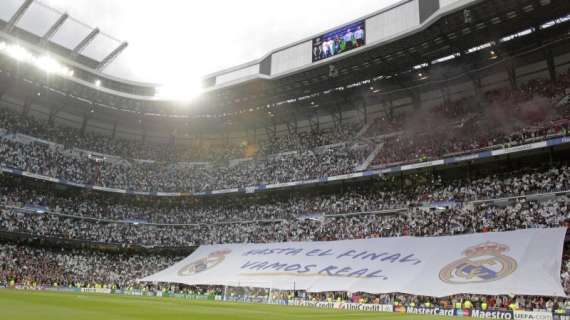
179, 41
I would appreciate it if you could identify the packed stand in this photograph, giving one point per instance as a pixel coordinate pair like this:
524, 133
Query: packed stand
359, 198
508, 118
37, 267
53, 161
361, 212
511, 117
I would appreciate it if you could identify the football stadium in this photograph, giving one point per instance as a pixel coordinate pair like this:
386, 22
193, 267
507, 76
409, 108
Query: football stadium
413, 162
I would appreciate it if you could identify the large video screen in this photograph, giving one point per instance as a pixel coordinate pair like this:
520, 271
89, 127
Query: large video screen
338, 41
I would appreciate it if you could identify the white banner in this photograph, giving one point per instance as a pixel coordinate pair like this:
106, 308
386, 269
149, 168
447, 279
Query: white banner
523, 262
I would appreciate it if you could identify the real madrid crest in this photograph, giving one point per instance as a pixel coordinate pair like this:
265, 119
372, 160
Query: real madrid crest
206, 263
485, 262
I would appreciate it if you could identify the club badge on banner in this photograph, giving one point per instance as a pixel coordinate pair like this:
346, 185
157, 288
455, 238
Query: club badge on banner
523, 262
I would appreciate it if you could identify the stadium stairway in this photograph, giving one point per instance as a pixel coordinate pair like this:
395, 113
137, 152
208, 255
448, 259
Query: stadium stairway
363, 130
370, 157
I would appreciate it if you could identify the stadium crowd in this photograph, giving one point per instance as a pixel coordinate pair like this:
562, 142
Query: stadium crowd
449, 129
523, 214
34, 266
71, 137
40, 267
380, 209
356, 198
362, 211
512, 117
54, 161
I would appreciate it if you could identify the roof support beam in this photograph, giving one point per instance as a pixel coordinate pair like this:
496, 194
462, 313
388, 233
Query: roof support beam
389, 112
5, 87
18, 15
143, 126
85, 42
314, 121
27, 105
479, 97
271, 129
416, 98
112, 56
512, 73
336, 113
54, 28
251, 135
362, 108
86, 118
444, 90
54, 110
172, 138
114, 134
550, 63
292, 125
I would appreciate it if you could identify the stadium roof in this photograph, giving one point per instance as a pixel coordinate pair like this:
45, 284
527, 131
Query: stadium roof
442, 34
440, 38
36, 22
391, 65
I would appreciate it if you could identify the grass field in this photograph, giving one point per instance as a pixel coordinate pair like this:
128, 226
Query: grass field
16, 304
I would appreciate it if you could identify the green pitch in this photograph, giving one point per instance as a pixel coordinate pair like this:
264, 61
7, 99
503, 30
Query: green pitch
15, 305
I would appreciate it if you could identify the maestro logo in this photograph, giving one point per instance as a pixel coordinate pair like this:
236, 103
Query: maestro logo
485, 262
203, 264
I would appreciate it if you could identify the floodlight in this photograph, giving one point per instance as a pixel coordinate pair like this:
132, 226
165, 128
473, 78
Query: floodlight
182, 92
48, 64
18, 53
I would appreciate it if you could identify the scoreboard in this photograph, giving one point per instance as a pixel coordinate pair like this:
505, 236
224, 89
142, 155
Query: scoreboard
341, 40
